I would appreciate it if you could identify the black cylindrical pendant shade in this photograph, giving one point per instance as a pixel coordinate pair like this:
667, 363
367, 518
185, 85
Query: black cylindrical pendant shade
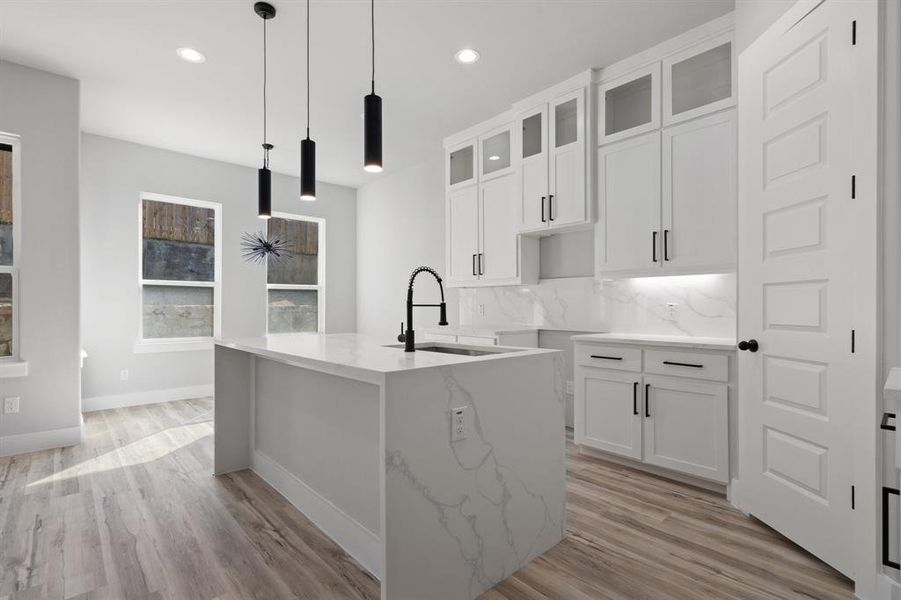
372, 133
307, 169
265, 193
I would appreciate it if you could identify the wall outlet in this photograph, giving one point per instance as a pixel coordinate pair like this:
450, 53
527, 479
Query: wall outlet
570, 388
123, 375
458, 424
672, 311
11, 405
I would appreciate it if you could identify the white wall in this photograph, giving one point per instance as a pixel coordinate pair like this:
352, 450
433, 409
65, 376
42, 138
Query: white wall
114, 172
400, 226
44, 110
753, 17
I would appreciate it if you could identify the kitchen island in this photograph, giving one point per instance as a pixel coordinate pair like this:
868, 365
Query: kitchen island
441, 472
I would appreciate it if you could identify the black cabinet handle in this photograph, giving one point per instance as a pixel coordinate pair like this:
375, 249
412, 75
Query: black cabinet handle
481, 264
750, 345
886, 544
550, 207
647, 401
885, 419
666, 244
635, 398
474, 273
543, 218
682, 364
654, 246
606, 357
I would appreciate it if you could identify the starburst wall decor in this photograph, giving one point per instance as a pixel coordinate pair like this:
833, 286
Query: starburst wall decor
257, 247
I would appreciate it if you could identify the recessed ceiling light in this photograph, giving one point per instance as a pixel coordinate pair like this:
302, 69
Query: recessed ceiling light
191, 55
494, 157
466, 56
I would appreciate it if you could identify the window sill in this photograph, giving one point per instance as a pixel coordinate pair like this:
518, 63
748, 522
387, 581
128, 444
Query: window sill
147, 347
13, 368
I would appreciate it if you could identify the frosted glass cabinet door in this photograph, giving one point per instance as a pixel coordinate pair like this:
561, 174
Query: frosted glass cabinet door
531, 129
462, 234
699, 80
566, 197
496, 152
461, 164
628, 228
629, 105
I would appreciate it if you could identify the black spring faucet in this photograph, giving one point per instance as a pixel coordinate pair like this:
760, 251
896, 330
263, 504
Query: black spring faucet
408, 337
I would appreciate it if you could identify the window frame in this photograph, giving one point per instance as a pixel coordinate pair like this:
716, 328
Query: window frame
13, 270
174, 344
319, 288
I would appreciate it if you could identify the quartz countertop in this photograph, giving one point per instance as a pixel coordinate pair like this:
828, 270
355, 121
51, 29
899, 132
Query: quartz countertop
479, 330
646, 339
357, 353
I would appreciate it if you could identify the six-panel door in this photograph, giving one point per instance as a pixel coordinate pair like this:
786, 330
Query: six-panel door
627, 234
686, 426
608, 411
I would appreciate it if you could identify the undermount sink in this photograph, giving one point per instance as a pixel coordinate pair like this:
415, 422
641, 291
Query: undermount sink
460, 350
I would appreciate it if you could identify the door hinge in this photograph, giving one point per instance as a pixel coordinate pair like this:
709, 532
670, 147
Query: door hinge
853, 187
854, 32
853, 341
852, 498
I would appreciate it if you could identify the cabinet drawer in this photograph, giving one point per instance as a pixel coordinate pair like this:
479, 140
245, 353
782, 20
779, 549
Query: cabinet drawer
713, 367
476, 341
608, 357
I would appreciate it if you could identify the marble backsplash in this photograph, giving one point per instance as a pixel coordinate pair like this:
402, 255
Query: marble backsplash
705, 305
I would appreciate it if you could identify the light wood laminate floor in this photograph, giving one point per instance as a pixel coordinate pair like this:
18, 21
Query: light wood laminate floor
134, 513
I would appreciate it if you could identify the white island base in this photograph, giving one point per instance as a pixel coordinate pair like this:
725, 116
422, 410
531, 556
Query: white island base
358, 437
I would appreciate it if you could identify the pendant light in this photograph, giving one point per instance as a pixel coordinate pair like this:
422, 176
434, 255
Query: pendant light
308, 146
372, 117
264, 176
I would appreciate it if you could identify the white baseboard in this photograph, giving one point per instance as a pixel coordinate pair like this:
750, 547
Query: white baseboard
151, 397
358, 541
41, 440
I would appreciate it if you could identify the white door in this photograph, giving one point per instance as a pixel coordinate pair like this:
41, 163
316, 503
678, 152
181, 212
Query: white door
797, 255
686, 426
699, 193
566, 139
462, 234
531, 131
499, 243
628, 228
608, 411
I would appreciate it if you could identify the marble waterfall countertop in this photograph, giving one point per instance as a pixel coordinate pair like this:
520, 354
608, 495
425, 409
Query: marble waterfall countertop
646, 339
356, 353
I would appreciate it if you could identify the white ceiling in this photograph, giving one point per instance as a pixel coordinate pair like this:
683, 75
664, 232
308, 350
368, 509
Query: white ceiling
135, 88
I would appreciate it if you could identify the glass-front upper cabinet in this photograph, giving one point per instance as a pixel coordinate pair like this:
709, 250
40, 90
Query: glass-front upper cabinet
699, 80
496, 152
629, 104
461, 164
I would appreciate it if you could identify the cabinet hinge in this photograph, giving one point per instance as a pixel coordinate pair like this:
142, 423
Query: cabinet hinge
853, 187
852, 498
854, 32
853, 341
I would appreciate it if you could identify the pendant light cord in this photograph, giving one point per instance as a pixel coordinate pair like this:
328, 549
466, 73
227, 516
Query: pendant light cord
265, 148
372, 21
308, 69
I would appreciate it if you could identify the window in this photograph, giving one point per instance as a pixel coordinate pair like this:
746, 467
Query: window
10, 226
295, 284
180, 271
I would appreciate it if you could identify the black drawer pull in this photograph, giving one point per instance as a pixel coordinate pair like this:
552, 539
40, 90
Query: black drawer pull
606, 357
635, 398
884, 425
681, 364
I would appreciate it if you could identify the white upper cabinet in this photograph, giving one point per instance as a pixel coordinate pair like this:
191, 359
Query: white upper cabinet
551, 146
699, 194
496, 153
627, 234
462, 225
498, 260
699, 80
461, 164
629, 105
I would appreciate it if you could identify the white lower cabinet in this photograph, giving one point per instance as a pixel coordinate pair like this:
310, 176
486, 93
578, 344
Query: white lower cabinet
678, 421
